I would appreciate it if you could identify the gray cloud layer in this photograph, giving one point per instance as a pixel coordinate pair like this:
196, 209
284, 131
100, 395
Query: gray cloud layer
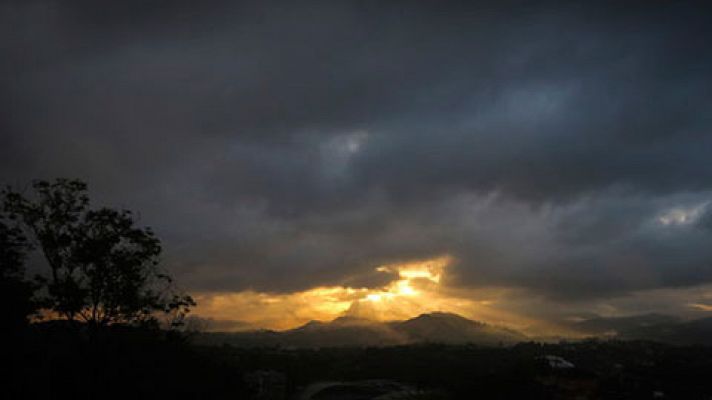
277, 147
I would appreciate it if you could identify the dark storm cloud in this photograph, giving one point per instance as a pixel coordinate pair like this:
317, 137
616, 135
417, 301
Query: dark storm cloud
281, 147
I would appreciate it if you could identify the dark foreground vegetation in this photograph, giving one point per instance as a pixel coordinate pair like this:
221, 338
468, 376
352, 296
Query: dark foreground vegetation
610, 370
56, 360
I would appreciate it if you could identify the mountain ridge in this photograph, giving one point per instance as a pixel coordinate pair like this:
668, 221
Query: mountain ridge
650, 327
345, 331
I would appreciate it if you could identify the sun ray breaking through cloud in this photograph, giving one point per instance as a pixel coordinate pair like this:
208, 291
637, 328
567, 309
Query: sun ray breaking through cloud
417, 289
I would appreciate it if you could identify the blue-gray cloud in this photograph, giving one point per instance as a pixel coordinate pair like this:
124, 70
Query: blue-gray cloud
278, 146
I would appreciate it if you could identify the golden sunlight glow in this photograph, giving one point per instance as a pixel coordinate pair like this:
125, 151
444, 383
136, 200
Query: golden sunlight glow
374, 297
417, 289
701, 306
430, 270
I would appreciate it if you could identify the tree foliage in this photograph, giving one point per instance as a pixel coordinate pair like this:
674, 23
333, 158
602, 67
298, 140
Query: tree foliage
16, 293
103, 268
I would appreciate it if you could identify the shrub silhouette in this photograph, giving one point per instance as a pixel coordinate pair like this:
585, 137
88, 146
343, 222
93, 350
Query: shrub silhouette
103, 268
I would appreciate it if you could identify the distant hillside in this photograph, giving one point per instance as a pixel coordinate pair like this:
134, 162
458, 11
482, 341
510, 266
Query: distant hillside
347, 331
653, 327
693, 332
616, 325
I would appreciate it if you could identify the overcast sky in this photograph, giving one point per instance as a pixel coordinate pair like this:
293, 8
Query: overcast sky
562, 150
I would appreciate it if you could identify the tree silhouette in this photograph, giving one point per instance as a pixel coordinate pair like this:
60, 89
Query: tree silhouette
16, 293
103, 268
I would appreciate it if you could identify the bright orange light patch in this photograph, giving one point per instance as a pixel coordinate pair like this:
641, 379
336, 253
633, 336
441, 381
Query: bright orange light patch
418, 289
429, 270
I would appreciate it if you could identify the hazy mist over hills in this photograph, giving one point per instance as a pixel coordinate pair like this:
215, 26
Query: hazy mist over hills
434, 327
448, 328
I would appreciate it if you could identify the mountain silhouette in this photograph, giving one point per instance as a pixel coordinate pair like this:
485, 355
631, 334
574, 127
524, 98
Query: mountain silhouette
437, 327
